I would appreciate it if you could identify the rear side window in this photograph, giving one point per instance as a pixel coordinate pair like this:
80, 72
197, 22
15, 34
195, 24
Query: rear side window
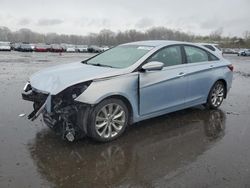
213, 58
195, 55
169, 56
210, 47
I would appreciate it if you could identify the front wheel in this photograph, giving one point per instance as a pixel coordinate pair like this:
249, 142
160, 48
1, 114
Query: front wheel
216, 95
108, 120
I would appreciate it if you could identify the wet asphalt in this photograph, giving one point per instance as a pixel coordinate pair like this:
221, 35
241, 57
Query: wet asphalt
189, 148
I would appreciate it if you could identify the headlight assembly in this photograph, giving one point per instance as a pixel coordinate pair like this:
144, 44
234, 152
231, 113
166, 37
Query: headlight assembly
74, 91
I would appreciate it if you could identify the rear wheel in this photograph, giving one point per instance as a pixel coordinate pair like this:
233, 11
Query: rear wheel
216, 95
108, 120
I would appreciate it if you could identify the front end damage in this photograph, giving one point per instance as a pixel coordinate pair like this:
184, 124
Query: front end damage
60, 112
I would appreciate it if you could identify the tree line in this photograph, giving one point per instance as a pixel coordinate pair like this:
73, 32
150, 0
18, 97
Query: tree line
110, 38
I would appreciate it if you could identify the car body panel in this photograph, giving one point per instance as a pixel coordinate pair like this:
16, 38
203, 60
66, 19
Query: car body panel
162, 89
124, 85
201, 77
151, 93
55, 79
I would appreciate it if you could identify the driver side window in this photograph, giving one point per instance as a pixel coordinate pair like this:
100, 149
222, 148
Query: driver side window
169, 56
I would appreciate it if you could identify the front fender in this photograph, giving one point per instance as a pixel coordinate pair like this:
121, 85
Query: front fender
123, 85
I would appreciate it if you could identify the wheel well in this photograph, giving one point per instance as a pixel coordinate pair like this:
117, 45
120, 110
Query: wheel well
127, 103
225, 86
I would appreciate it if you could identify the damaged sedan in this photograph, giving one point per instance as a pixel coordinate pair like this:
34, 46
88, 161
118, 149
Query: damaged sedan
99, 97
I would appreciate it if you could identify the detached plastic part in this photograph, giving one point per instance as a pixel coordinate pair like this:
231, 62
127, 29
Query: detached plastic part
33, 115
47, 104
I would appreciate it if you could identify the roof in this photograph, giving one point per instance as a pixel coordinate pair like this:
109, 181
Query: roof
155, 43
202, 43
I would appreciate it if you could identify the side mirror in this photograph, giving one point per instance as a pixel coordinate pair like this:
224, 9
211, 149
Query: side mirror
153, 66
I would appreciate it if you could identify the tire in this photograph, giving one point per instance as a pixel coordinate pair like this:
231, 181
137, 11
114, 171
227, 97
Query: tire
216, 95
108, 120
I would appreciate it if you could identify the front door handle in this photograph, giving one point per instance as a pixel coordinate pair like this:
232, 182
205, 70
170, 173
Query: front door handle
211, 66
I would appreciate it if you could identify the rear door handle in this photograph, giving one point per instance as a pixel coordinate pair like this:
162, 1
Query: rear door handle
211, 66
181, 74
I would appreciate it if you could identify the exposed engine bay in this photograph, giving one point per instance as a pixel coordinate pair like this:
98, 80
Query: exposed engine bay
60, 112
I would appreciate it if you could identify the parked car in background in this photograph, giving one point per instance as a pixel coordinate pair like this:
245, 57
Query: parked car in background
63, 47
5, 46
33, 46
12, 45
104, 48
56, 48
245, 52
70, 48
213, 47
129, 83
42, 48
94, 49
15, 46
24, 47
81, 48
229, 51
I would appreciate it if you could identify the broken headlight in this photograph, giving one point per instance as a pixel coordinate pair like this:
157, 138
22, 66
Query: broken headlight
74, 91
78, 89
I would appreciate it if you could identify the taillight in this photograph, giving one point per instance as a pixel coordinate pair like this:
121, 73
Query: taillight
231, 67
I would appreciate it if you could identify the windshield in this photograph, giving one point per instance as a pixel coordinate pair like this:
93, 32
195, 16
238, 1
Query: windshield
120, 56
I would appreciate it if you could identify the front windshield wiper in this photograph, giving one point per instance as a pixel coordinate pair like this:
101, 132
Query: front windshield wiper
96, 64
100, 65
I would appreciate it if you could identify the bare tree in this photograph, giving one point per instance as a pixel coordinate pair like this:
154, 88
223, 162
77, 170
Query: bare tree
110, 38
216, 35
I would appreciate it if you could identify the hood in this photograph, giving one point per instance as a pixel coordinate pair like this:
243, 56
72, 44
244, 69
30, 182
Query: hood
55, 79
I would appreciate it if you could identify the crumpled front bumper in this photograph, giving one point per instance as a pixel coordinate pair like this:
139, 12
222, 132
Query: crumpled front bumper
61, 116
41, 101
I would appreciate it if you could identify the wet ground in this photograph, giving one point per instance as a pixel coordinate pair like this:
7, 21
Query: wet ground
189, 148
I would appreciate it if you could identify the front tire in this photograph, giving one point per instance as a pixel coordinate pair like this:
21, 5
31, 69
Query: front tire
216, 95
108, 120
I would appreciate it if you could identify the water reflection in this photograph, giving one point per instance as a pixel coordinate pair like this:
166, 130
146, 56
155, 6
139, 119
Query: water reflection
151, 150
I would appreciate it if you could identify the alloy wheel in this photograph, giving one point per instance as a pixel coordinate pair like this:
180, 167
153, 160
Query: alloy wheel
110, 120
217, 94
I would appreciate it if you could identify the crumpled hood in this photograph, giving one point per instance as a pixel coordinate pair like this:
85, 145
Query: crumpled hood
55, 79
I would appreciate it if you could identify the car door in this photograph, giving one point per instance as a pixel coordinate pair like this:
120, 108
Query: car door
199, 73
163, 89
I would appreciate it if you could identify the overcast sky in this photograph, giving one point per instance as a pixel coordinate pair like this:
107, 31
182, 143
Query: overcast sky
85, 16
